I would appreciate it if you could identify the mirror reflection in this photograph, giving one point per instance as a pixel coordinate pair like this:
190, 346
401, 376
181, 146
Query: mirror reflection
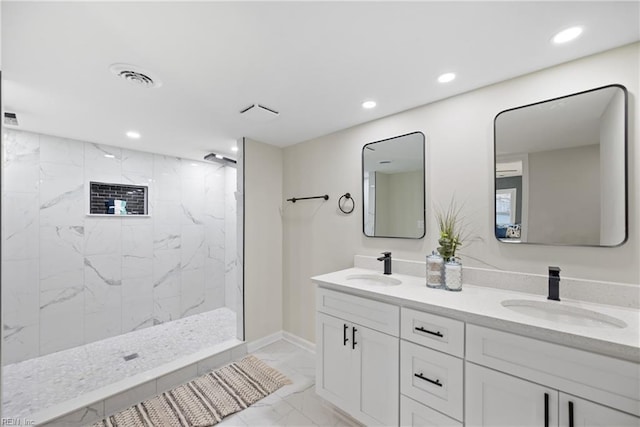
560, 170
393, 187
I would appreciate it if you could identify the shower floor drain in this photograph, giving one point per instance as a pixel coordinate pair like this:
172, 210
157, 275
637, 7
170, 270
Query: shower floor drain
130, 357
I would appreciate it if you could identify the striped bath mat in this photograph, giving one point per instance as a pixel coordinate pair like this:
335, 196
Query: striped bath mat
206, 400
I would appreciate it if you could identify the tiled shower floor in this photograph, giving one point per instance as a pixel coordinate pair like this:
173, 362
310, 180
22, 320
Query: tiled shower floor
36, 384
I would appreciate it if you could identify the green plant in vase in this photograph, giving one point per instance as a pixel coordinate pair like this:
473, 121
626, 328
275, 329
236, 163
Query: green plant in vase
452, 229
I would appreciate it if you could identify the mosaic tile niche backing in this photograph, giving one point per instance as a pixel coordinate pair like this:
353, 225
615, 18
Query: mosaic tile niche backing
103, 194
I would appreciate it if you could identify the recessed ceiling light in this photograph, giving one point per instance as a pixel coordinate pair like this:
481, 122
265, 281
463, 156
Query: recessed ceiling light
194, 164
369, 104
567, 35
234, 149
109, 156
133, 134
446, 77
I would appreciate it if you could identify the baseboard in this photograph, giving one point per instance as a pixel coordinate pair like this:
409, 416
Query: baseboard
264, 341
300, 342
281, 335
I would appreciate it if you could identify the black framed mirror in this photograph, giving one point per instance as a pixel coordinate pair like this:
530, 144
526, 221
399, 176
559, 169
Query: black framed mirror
561, 170
393, 193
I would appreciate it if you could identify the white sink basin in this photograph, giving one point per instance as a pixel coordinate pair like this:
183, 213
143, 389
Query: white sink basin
563, 313
373, 280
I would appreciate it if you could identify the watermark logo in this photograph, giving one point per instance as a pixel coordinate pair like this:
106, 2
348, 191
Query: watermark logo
16, 422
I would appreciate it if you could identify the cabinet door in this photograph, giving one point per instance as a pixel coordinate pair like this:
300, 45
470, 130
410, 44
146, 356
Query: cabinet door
337, 376
589, 414
378, 356
494, 399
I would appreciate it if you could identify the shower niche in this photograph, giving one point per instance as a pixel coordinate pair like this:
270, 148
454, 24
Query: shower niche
118, 199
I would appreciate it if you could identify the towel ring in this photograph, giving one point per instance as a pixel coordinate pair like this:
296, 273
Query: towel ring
346, 196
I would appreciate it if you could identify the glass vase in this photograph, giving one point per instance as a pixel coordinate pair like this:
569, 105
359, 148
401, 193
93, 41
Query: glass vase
435, 270
453, 275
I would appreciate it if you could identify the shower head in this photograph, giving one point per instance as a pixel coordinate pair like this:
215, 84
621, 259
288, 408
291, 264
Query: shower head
10, 119
218, 158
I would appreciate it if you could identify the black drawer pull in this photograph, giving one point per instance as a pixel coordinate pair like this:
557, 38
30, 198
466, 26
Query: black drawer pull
353, 338
571, 414
546, 410
344, 335
426, 331
436, 382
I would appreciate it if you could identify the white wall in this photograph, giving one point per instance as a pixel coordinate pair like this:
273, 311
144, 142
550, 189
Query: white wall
263, 239
612, 185
69, 278
398, 207
369, 198
558, 176
406, 205
459, 161
382, 212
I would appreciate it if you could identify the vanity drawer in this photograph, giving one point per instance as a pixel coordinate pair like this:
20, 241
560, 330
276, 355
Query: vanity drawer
437, 332
414, 414
376, 315
432, 378
609, 381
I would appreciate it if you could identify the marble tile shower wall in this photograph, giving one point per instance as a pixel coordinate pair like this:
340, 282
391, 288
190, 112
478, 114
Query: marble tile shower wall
69, 279
238, 303
230, 244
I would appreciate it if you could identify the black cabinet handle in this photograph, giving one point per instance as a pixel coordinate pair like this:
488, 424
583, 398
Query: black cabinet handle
421, 329
353, 338
344, 335
422, 377
570, 414
546, 410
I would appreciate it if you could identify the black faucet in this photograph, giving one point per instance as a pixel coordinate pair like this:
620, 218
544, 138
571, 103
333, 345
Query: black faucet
387, 262
554, 283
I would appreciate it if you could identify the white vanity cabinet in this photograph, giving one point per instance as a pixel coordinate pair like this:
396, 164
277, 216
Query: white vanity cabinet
414, 414
497, 399
357, 367
527, 382
576, 412
431, 369
386, 364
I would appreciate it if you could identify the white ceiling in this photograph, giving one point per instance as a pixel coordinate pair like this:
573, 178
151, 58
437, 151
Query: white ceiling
314, 62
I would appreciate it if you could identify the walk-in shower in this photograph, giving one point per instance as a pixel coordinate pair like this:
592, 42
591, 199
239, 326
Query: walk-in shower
91, 298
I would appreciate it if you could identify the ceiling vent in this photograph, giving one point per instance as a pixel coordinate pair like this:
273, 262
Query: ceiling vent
10, 119
135, 75
259, 113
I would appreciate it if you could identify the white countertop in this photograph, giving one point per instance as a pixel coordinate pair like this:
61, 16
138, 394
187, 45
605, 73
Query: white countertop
482, 306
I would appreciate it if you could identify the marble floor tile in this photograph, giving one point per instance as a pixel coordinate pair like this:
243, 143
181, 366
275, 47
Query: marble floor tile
296, 404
